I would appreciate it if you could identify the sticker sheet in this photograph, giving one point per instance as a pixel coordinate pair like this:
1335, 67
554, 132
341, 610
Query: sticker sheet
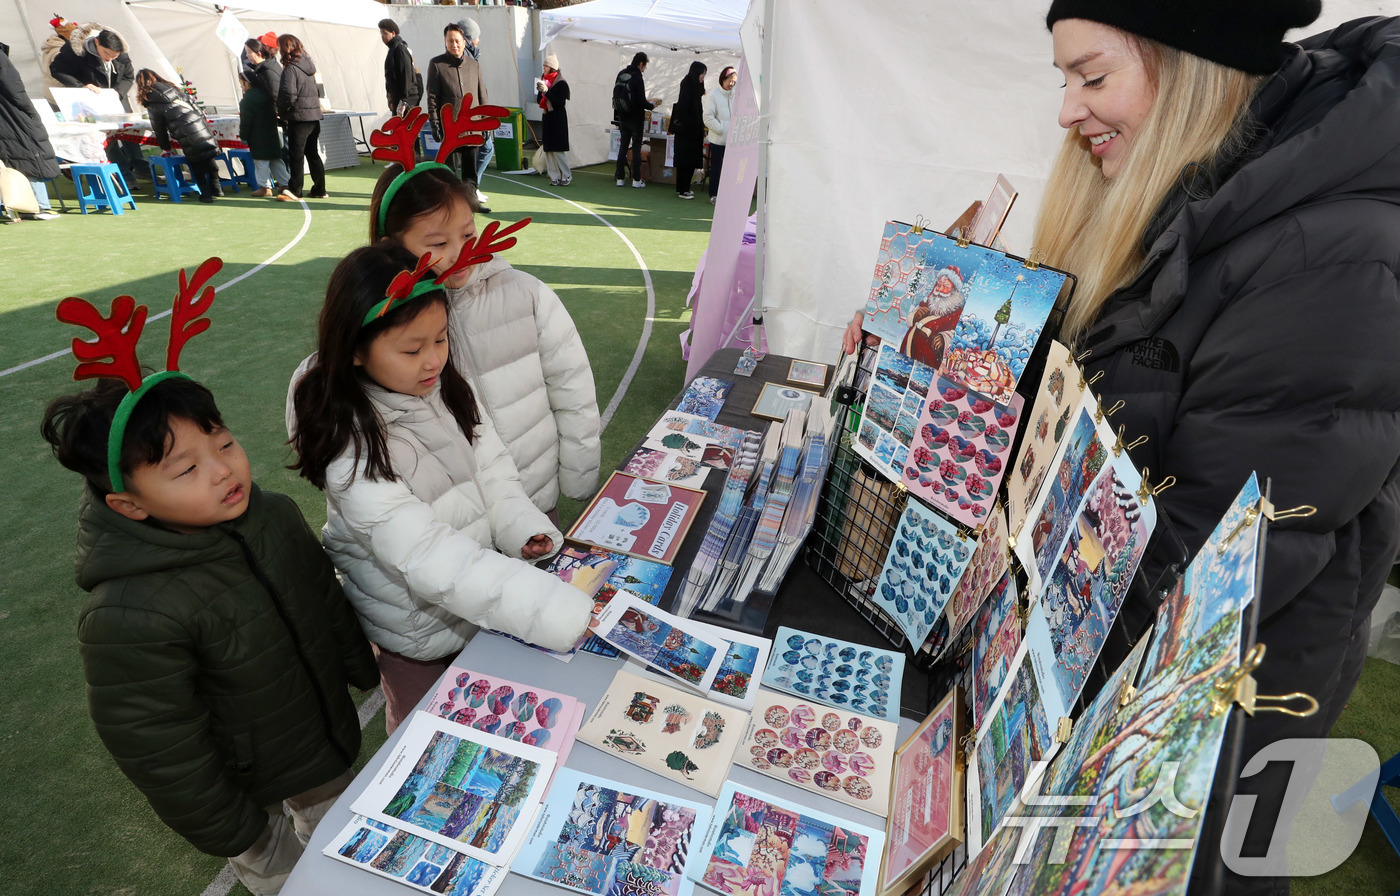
639, 517
836, 753
509, 709
603, 837
678, 735
600, 574
704, 397
459, 787
925, 820
960, 450
425, 866
667, 466
836, 673
691, 434
996, 637
924, 562
759, 844
1062, 386
688, 651
984, 570
892, 404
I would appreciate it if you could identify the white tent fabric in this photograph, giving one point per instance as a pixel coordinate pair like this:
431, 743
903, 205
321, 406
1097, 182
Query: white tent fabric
678, 24
938, 98
508, 61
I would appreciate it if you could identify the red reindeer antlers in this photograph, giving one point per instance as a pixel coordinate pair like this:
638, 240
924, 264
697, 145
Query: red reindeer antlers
186, 319
490, 240
114, 352
469, 128
401, 287
394, 142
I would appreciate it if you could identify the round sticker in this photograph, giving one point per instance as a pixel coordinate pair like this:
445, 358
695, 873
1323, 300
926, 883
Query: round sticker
802, 716
862, 764
833, 762
831, 721
776, 715
819, 739
780, 757
827, 781
800, 775
871, 738
791, 737
857, 787
806, 757
766, 736
846, 741
500, 698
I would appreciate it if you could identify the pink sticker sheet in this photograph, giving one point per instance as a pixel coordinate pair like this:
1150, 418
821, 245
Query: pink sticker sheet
509, 709
961, 448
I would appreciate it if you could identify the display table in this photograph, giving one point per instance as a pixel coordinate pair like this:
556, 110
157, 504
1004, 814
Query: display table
804, 601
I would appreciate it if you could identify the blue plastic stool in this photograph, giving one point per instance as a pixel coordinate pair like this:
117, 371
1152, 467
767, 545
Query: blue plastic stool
171, 180
103, 186
246, 175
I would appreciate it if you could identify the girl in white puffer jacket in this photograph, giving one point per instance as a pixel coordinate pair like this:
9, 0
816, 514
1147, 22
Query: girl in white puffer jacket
425, 510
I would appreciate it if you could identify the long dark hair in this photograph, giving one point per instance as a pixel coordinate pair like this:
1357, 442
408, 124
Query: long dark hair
291, 48
428, 191
146, 80
333, 410
693, 82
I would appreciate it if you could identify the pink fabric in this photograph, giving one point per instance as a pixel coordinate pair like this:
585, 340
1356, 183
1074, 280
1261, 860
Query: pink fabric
405, 682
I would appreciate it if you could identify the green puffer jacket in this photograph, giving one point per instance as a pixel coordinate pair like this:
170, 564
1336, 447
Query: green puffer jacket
217, 664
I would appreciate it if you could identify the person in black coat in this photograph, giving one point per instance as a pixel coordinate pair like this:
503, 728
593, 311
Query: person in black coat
24, 144
552, 93
264, 69
96, 58
173, 117
688, 126
299, 108
401, 84
630, 105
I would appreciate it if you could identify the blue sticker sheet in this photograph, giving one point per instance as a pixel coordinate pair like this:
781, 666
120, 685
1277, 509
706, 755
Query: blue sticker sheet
837, 673
604, 837
925, 561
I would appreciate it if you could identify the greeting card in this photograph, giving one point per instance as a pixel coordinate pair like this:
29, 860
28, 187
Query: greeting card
600, 574
639, 517
704, 397
1062, 386
996, 635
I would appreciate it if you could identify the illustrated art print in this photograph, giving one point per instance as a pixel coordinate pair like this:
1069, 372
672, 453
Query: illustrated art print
509, 709
759, 844
704, 397
600, 574
960, 451
925, 821
691, 436
603, 837
638, 517
678, 735
807, 373
1062, 386
837, 673
996, 636
678, 647
667, 466
776, 400
459, 787
891, 415
1082, 457
835, 753
421, 864
925, 561
989, 561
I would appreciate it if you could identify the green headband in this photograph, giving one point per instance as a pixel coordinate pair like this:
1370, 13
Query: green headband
422, 288
399, 180
122, 417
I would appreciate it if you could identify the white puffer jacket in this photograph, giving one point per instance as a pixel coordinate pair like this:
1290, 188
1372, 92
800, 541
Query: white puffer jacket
719, 107
516, 344
415, 555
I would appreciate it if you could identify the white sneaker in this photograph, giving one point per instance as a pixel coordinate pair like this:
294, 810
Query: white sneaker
622, 181
639, 184
45, 216
686, 195
483, 197
712, 200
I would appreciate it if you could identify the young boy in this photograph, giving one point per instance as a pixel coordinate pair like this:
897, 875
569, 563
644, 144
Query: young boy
216, 643
257, 127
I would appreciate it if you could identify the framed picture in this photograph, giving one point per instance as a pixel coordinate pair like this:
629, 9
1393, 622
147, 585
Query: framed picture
807, 373
926, 815
985, 228
639, 517
776, 400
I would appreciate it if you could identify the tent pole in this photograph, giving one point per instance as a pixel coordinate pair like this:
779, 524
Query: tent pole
33, 45
765, 80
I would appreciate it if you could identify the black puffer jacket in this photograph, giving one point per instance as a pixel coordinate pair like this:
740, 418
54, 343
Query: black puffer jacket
1262, 334
24, 144
217, 664
174, 118
269, 75
297, 99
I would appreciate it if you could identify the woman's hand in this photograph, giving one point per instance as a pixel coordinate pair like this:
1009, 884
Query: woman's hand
539, 546
851, 338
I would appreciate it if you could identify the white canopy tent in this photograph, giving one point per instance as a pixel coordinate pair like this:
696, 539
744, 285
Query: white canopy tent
698, 25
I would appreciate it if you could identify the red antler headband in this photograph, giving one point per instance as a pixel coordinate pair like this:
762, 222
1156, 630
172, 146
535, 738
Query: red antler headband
408, 285
395, 141
113, 353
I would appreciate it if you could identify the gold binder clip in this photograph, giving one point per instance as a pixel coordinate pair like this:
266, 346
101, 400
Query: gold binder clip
1117, 406
962, 239
1127, 695
918, 227
1292, 513
1094, 379
1118, 442
967, 648
1036, 259
1083, 356
1063, 730
1148, 490
968, 742
1251, 516
1010, 543
1239, 686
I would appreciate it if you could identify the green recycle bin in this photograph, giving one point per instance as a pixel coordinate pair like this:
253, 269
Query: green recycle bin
510, 141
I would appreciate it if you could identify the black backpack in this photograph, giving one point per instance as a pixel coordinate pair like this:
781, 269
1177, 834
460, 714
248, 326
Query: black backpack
622, 96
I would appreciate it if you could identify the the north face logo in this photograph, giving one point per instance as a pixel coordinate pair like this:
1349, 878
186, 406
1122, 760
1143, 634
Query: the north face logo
1157, 354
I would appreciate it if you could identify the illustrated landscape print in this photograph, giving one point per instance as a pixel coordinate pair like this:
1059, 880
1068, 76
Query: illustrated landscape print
662, 640
600, 573
758, 844
836, 673
891, 412
603, 837
459, 787
425, 866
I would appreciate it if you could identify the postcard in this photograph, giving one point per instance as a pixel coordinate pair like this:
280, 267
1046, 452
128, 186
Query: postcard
916, 292
735, 682
807, 373
996, 635
599, 574
895, 395
603, 837
509, 709
704, 397
1080, 460
668, 466
926, 811
421, 864
837, 673
673, 733
835, 753
924, 562
758, 843
776, 400
960, 449
1062, 386
984, 570
459, 787
634, 516
675, 646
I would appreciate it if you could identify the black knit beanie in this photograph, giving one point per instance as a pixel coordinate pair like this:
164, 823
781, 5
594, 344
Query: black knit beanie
1241, 34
